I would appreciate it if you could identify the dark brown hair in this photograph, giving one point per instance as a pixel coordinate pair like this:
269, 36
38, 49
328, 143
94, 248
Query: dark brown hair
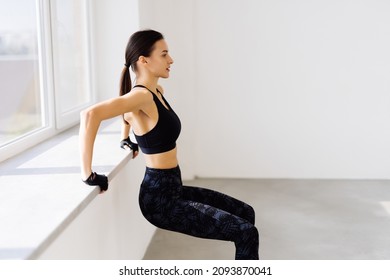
141, 43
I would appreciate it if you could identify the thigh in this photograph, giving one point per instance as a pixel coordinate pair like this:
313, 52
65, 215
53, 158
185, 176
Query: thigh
219, 200
202, 220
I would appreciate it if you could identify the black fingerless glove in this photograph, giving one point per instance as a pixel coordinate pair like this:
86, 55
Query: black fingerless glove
127, 143
97, 180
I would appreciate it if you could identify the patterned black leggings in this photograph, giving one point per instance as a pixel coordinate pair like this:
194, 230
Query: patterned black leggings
199, 212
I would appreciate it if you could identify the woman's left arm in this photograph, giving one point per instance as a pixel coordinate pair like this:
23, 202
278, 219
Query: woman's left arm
126, 142
125, 132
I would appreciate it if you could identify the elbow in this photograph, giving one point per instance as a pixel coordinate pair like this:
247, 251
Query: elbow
87, 115
84, 113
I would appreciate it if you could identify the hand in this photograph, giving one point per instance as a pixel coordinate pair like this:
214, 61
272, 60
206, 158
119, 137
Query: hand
126, 144
97, 180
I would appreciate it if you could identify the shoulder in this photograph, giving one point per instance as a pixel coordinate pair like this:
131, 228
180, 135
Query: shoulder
138, 97
140, 93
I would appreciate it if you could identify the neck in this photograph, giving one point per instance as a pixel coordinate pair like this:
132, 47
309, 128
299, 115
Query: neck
149, 82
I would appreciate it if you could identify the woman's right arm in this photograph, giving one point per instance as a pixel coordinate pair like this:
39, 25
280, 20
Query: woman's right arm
91, 118
89, 125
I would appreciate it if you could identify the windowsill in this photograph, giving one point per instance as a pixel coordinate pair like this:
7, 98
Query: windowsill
41, 192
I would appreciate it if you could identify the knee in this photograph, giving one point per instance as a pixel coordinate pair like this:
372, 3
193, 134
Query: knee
249, 234
254, 233
251, 215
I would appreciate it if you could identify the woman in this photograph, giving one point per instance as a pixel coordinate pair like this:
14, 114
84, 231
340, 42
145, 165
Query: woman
163, 200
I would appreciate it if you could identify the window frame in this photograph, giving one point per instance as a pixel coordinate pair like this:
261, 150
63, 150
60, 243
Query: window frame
71, 117
53, 122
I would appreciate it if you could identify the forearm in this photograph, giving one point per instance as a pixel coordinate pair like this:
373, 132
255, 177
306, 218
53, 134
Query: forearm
89, 126
125, 130
126, 143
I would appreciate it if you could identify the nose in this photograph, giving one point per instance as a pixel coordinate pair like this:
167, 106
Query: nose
170, 60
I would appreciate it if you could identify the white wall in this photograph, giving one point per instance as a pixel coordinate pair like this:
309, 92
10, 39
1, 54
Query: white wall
296, 89
113, 23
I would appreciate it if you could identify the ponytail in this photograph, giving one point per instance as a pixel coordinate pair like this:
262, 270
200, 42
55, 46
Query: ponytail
125, 84
141, 43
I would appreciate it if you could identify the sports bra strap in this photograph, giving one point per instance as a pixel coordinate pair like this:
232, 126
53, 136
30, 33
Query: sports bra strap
166, 105
142, 86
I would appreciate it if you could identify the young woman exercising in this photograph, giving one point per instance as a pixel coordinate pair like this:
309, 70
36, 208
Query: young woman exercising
163, 199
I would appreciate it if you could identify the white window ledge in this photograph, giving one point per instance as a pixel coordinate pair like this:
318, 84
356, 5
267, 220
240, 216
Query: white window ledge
41, 192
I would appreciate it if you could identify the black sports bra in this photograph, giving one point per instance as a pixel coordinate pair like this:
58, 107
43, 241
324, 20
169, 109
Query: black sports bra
162, 137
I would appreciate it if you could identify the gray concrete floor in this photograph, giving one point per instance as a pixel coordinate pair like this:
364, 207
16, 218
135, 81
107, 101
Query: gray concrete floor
297, 220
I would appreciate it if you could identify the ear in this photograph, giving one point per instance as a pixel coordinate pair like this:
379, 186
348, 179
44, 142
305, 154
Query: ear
142, 59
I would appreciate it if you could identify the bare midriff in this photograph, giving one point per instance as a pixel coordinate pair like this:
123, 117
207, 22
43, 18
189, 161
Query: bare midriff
164, 160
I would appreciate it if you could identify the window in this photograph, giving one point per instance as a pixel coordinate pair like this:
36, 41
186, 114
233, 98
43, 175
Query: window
45, 75
21, 93
70, 37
